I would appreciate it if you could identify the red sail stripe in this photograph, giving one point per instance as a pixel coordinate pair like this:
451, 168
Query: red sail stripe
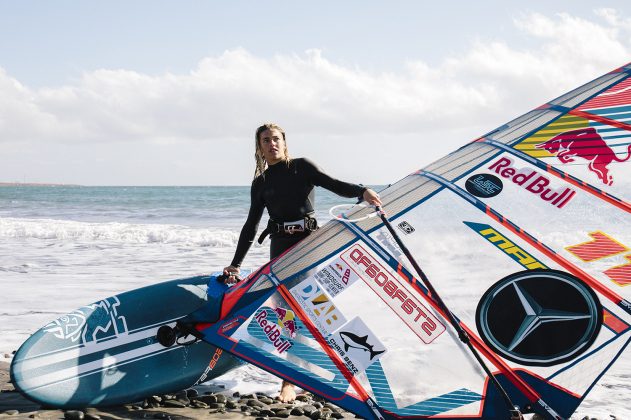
614, 96
600, 119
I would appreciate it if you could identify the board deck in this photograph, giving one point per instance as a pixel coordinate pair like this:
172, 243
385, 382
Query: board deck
106, 353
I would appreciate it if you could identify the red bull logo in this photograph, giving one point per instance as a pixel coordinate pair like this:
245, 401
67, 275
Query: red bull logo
587, 144
272, 331
533, 182
287, 321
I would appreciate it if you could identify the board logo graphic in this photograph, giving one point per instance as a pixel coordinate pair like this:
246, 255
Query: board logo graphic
90, 323
539, 317
587, 144
484, 185
211, 366
405, 227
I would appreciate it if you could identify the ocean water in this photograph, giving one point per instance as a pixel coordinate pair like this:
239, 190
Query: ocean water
63, 247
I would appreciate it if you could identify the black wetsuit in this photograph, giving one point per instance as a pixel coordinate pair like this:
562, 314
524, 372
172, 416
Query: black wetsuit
288, 193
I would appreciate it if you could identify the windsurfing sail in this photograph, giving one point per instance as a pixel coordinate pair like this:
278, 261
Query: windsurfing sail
526, 235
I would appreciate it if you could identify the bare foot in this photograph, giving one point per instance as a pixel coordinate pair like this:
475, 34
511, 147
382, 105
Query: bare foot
287, 392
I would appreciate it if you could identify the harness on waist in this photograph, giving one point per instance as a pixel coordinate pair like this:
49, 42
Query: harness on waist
307, 223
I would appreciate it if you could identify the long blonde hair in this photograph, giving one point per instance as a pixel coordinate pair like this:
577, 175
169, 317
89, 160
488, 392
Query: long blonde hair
261, 163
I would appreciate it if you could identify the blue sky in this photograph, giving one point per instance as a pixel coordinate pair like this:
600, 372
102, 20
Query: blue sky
169, 93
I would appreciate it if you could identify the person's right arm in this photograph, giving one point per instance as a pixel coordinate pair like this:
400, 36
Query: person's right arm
248, 232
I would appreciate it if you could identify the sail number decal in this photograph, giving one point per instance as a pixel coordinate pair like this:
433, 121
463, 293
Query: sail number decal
603, 246
390, 289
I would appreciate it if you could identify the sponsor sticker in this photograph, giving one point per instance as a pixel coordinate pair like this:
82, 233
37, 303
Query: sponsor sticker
539, 317
585, 143
600, 246
533, 182
233, 323
357, 346
287, 321
484, 185
509, 248
391, 290
265, 326
614, 323
318, 306
603, 246
336, 277
405, 227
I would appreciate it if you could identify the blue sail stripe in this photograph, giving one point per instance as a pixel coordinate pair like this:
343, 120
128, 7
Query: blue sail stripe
304, 352
616, 116
607, 131
610, 110
432, 406
339, 382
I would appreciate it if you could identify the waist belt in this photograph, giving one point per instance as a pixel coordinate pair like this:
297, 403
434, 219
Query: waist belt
307, 223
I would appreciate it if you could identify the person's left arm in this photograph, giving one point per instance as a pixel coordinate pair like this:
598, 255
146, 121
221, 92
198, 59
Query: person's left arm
345, 189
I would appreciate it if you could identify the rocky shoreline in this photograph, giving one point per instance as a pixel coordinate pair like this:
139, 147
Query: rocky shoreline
189, 404
204, 402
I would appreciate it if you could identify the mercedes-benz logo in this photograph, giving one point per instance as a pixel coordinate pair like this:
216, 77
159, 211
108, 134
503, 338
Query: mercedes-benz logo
539, 317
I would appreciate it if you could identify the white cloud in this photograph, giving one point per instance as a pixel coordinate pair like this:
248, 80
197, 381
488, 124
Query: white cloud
227, 95
573, 44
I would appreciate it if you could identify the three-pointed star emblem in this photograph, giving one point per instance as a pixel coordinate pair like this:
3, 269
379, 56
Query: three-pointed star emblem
536, 315
539, 317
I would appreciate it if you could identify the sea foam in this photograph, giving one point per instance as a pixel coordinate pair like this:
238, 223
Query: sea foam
116, 232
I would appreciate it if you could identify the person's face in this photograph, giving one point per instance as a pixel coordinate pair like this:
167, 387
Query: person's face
272, 146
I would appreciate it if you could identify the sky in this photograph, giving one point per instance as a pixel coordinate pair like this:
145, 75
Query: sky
152, 92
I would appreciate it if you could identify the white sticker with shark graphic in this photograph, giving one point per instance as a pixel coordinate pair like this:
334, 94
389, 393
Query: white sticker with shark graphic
357, 346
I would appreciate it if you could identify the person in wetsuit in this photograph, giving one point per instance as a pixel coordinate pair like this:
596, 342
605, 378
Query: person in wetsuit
285, 186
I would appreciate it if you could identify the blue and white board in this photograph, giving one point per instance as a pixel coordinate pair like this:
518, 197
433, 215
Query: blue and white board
106, 353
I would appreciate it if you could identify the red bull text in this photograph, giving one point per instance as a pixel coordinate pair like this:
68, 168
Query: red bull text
533, 182
273, 332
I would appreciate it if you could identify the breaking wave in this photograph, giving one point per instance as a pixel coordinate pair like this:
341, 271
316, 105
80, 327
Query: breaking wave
114, 232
